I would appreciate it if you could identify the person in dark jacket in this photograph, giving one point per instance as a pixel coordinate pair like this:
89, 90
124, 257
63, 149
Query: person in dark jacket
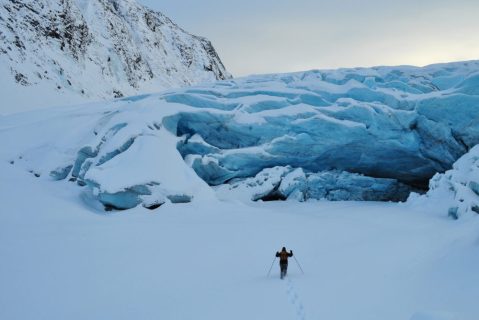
283, 256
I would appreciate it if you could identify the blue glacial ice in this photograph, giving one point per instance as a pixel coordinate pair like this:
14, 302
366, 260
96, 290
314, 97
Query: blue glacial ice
357, 134
286, 183
402, 123
457, 190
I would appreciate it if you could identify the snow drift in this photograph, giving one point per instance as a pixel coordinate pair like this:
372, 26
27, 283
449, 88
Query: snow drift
75, 50
363, 134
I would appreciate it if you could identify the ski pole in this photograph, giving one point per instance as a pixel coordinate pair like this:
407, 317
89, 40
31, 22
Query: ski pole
271, 266
298, 264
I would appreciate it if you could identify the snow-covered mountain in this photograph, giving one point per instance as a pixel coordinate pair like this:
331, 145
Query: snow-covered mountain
361, 134
58, 52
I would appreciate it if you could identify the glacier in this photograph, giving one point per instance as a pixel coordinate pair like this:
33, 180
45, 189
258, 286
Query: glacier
363, 134
286, 183
455, 191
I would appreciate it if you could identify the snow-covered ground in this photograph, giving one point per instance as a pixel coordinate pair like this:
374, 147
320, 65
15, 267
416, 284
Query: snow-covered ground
61, 259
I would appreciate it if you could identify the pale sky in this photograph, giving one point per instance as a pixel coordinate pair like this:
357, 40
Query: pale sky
268, 36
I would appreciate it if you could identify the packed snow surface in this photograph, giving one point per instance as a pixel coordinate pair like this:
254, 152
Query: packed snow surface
347, 134
62, 259
62, 52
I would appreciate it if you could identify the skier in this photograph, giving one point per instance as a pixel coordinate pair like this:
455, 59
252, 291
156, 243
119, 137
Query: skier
283, 256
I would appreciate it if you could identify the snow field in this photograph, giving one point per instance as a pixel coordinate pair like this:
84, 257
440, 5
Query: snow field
63, 259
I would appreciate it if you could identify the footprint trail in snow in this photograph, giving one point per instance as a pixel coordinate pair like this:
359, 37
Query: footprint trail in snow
295, 299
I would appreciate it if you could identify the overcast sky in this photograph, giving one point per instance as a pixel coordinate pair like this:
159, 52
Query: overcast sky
266, 36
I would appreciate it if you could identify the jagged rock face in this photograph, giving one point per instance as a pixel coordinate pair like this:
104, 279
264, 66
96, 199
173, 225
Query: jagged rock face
101, 48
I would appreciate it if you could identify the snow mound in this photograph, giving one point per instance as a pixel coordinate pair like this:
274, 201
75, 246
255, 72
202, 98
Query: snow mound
131, 163
457, 190
348, 134
121, 158
78, 50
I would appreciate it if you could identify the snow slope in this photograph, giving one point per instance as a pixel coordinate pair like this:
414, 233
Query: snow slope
348, 134
61, 259
69, 51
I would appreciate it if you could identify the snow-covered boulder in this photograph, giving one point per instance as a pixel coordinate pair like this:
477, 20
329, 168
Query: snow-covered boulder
455, 192
281, 183
77, 50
